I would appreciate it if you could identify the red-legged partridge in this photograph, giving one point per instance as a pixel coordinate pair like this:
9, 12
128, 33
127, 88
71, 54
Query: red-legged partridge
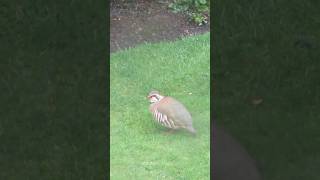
169, 112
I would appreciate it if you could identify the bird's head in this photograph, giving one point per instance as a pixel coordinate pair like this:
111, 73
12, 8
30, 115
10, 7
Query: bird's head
154, 96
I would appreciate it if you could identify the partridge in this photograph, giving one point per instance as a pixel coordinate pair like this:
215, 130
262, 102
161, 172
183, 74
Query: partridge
169, 112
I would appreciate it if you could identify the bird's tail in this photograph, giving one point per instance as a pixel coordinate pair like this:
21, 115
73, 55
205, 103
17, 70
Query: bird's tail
192, 130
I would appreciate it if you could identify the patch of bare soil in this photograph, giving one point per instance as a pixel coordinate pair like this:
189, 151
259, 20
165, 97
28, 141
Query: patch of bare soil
142, 21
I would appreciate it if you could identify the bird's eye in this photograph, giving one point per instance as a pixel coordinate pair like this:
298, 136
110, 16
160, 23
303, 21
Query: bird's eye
153, 96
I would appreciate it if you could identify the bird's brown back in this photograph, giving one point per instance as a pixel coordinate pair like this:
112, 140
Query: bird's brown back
175, 110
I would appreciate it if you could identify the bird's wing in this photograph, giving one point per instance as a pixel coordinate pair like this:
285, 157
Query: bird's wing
175, 110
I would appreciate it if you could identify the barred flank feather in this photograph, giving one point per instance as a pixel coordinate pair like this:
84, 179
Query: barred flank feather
163, 119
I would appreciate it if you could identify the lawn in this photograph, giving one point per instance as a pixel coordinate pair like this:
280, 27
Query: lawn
139, 147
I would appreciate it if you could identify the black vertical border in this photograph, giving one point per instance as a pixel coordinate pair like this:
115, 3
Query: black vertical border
46, 52
108, 85
303, 11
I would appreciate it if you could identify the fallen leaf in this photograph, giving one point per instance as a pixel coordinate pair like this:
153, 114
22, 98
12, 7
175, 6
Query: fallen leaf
257, 101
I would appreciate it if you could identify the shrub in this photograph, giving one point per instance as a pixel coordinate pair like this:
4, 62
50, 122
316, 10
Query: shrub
197, 10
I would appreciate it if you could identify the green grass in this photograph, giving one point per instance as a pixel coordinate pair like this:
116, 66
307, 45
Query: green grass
270, 49
139, 148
